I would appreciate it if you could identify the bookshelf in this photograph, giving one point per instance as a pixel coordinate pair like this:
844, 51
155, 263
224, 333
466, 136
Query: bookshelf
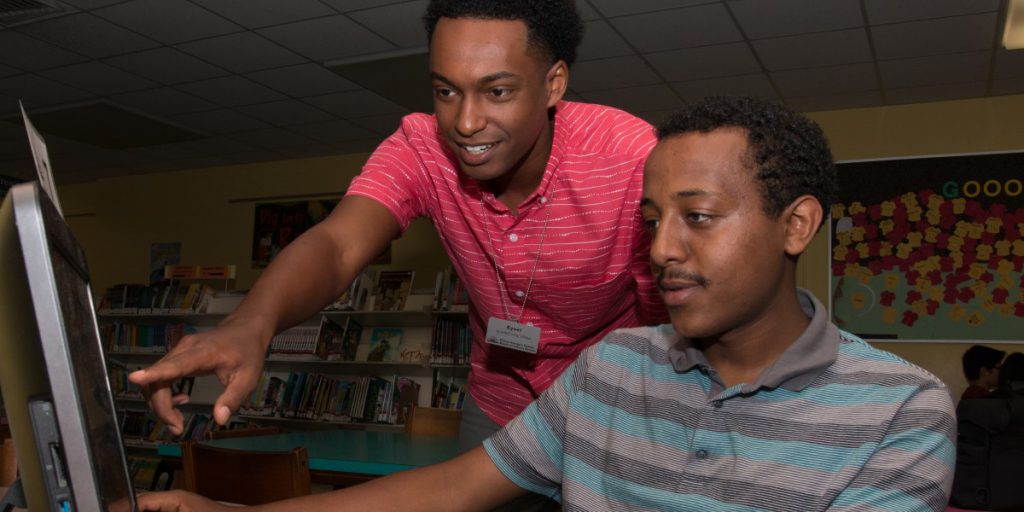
319, 375
127, 349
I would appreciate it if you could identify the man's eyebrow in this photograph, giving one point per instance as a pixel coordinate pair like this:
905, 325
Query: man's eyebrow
485, 80
682, 194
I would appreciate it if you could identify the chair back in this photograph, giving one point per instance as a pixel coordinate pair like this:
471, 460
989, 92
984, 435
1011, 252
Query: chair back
8, 462
433, 422
245, 477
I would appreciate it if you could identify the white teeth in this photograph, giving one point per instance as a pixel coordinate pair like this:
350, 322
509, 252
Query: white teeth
478, 149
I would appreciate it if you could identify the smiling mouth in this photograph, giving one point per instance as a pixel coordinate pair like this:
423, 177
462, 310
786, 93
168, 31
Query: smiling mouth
478, 149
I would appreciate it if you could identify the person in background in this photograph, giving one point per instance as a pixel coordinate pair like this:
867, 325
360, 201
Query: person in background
535, 200
750, 399
990, 444
1011, 376
981, 369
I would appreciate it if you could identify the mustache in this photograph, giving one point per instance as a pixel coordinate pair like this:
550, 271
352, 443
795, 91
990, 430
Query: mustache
674, 274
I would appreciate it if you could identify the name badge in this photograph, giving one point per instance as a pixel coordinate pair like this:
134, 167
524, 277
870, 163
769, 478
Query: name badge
513, 335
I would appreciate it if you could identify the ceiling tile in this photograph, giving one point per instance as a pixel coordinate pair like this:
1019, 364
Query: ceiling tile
302, 80
814, 50
12, 130
261, 13
241, 52
934, 37
355, 5
638, 99
848, 78
324, 39
8, 71
678, 28
166, 65
89, 35
940, 92
1009, 64
400, 24
231, 91
14, 148
90, 4
98, 78
381, 124
747, 85
61, 146
939, 69
861, 99
37, 91
355, 104
215, 145
594, 76
704, 62
164, 101
168, 21
308, 151
601, 42
586, 11
30, 54
610, 8
286, 113
1007, 86
220, 121
888, 11
162, 151
272, 138
334, 131
772, 18
256, 155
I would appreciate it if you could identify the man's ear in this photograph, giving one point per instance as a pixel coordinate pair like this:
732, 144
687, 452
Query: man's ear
803, 216
557, 81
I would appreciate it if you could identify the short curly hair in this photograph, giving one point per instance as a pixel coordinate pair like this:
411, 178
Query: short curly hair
553, 26
788, 151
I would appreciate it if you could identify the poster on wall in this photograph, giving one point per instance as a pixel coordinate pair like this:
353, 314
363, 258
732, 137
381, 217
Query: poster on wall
162, 254
277, 224
930, 248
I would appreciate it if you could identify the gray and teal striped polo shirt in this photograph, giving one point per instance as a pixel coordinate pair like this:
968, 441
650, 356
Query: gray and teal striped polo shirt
641, 422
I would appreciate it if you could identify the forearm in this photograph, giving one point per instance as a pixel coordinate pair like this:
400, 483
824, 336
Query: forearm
468, 482
317, 267
299, 282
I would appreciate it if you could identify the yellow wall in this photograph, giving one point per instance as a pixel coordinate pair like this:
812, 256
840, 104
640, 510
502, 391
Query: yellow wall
117, 219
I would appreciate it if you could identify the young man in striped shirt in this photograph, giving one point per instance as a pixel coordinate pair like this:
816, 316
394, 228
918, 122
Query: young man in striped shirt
535, 200
749, 400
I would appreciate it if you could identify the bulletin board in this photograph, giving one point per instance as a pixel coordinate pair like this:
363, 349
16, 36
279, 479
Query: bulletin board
930, 249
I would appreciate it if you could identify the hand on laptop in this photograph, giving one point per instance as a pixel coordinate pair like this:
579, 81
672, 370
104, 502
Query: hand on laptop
178, 501
230, 352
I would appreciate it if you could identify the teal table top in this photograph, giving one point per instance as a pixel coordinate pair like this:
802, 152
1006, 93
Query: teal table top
347, 451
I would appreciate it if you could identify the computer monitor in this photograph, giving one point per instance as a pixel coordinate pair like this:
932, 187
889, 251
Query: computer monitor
52, 372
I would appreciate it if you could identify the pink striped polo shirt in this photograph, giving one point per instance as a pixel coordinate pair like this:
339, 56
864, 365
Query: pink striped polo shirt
593, 274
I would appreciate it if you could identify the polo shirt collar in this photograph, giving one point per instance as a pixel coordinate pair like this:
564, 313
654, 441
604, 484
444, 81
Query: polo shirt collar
813, 352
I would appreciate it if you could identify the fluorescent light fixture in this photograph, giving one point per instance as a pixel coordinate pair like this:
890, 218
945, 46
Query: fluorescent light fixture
1013, 31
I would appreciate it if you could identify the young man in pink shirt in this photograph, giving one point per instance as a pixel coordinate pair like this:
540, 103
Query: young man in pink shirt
535, 200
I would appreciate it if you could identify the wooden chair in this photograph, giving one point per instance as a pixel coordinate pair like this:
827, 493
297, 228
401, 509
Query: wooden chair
243, 432
433, 422
245, 477
8, 462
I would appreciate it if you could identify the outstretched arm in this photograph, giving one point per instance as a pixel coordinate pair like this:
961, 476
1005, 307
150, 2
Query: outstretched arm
309, 273
468, 482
